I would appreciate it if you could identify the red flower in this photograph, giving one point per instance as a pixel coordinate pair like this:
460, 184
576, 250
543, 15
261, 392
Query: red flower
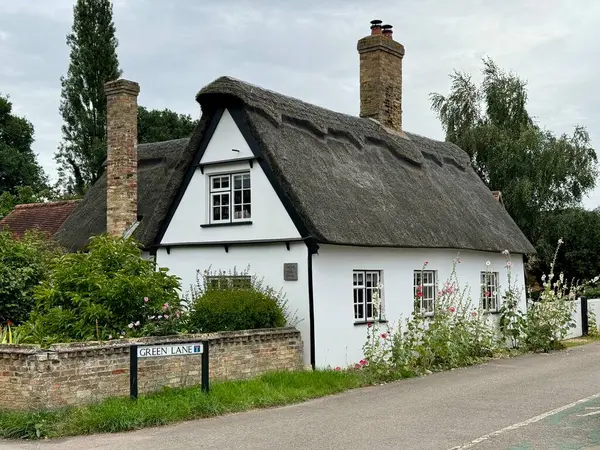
369, 324
363, 362
452, 309
338, 368
384, 335
419, 294
10, 323
474, 313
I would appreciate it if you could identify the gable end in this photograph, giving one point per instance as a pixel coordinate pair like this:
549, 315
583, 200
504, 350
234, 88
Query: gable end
237, 115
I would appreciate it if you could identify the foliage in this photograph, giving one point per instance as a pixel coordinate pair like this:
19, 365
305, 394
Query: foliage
536, 171
156, 126
24, 263
547, 321
206, 281
580, 230
220, 307
100, 292
18, 163
456, 335
93, 62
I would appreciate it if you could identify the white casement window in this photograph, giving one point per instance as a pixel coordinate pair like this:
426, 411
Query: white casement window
489, 291
424, 289
229, 282
366, 287
230, 197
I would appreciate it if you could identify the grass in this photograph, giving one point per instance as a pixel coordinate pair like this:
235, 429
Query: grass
176, 405
575, 342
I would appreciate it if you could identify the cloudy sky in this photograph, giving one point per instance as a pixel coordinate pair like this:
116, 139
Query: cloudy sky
307, 49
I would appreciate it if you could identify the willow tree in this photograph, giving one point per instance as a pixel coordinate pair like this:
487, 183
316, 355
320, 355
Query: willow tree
536, 170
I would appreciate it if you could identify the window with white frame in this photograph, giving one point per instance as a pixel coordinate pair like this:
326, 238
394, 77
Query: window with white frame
230, 197
424, 289
367, 294
229, 282
489, 291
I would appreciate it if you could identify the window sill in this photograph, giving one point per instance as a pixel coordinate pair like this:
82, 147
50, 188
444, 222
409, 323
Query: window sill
366, 322
225, 224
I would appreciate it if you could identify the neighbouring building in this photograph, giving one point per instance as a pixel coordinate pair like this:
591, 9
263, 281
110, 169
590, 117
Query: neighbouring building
327, 206
45, 217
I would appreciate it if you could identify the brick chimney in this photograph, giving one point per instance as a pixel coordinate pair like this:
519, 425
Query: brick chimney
381, 76
121, 171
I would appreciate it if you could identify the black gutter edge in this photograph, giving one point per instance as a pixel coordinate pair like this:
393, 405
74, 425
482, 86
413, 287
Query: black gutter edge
313, 248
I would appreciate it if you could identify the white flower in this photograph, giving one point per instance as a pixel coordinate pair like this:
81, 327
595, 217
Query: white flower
560, 241
543, 277
487, 263
110, 336
505, 252
137, 324
130, 325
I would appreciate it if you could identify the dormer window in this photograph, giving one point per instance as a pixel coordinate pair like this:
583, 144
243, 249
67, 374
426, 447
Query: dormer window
230, 197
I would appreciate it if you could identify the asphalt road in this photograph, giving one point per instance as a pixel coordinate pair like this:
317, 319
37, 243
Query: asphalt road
531, 402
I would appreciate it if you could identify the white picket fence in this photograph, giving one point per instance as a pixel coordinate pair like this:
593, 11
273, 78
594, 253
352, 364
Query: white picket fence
593, 306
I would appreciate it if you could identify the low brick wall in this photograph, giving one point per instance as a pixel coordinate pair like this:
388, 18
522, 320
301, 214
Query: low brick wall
75, 374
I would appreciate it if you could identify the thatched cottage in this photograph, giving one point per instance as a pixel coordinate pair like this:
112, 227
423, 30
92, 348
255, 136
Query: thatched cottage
327, 206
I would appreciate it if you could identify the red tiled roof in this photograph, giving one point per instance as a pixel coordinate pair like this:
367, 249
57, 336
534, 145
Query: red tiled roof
45, 217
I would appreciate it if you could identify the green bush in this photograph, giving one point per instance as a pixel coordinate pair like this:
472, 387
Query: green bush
107, 291
234, 309
24, 263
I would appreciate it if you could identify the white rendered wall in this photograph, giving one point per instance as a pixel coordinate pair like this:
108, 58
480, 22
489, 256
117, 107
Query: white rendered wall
225, 141
265, 260
338, 341
269, 218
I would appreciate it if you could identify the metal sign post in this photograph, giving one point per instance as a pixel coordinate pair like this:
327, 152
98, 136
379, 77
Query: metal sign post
154, 351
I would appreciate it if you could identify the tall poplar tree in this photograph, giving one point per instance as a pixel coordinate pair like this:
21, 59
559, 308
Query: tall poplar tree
93, 62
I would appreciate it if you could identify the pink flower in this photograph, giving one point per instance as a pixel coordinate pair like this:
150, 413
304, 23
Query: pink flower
363, 362
487, 294
419, 294
146, 299
509, 264
177, 314
338, 368
426, 262
474, 313
452, 309
166, 316
369, 325
165, 306
384, 335
357, 366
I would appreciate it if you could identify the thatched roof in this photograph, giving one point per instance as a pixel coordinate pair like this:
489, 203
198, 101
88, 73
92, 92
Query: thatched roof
349, 180
157, 164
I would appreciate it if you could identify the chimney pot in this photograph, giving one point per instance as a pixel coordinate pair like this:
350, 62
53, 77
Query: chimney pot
387, 31
376, 26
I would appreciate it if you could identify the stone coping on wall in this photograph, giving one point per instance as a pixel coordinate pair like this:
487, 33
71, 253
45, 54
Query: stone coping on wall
116, 345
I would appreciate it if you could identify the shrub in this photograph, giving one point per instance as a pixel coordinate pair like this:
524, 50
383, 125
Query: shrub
547, 320
24, 263
109, 290
234, 309
224, 306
